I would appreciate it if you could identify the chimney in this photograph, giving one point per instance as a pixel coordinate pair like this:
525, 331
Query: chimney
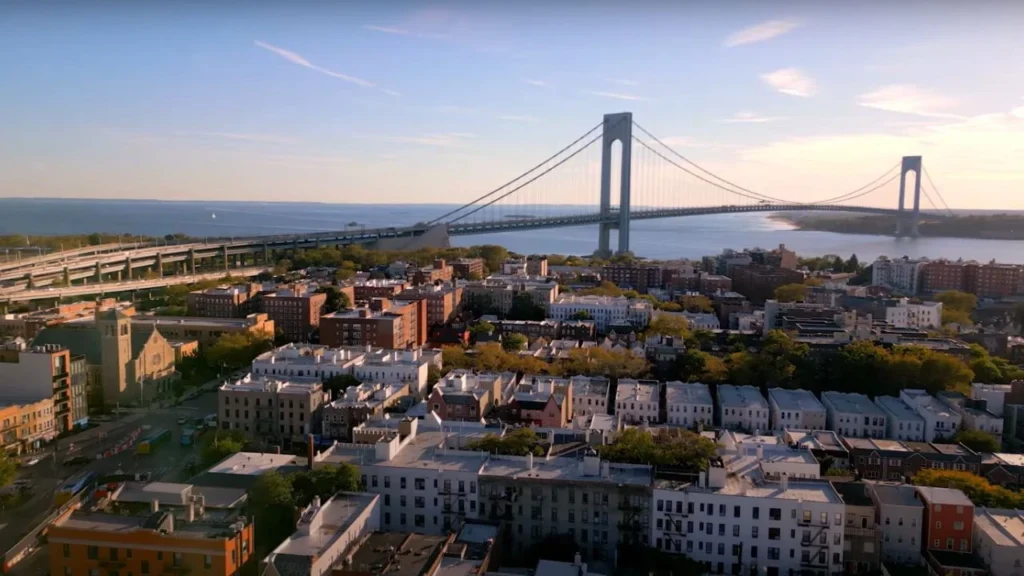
529, 461
190, 512
785, 482
154, 506
310, 451
760, 452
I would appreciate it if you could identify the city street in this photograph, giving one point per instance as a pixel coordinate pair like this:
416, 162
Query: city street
167, 463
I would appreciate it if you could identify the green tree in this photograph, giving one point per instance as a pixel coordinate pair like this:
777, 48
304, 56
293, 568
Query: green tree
696, 303
236, 350
337, 385
524, 308
669, 325
481, 328
494, 256
670, 447
518, 442
853, 265
581, 315
775, 364
323, 482
282, 267
513, 342
216, 445
272, 500
336, 299
791, 293
957, 300
980, 491
978, 441
8, 469
433, 377
95, 239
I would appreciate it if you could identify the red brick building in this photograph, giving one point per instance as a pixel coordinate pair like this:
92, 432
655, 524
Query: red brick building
990, 280
383, 325
948, 519
295, 311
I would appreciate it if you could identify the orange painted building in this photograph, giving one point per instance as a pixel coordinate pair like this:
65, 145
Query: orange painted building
948, 519
89, 543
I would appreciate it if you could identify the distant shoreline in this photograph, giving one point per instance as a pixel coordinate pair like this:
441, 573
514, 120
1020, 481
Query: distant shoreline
981, 227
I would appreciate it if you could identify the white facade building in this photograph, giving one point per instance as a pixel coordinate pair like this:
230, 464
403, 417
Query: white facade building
902, 274
687, 405
852, 414
900, 520
742, 408
999, 540
738, 516
638, 402
905, 314
940, 421
983, 420
701, 321
589, 395
389, 366
264, 406
993, 394
901, 421
796, 409
604, 310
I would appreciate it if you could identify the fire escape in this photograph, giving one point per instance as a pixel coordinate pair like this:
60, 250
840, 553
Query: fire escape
453, 505
814, 559
673, 527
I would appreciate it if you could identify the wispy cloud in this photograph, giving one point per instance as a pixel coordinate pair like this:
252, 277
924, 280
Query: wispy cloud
761, 32
750, 118
623, 82
791, 81
387, 29
909, 99
295, 58
617, 95
446, 140
392, 92
265, 138
533, 82
1018, 112
518, 118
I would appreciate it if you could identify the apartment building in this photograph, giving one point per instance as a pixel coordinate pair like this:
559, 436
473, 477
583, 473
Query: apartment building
326, 533
443, 301
948, 519
638, 402
991, 280
852, 414
894, 460
637, 277
999, 540
356, 405
940, 421
438, 272
901, 421
463, 395
737, 516
407, 366
901, 274
981, 419
758, 282
495, 294
391, 326
236, 301
906, 314
26, 425
468, 268
205, 330
368, 290
156, 544
599, 504
605, 311
688, 405
742, 408
543, 401
32, 373
861, 534
529, 266
265, 407
590, 395
295, 310
900, 521
532, 329
994, 395
307, 361
701, 320
796, 409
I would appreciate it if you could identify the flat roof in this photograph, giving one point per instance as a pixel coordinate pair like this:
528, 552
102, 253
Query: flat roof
590, 386
424, 451
105, 522
897, 495
814, 439
898, 408
687, 393
565, 470
636, 391
800, 490
252, 463
876, 444
741, 397
191, 321
851, 403
336, 517
950, 496
798, 399
415, 551
1002, 527
1009, 459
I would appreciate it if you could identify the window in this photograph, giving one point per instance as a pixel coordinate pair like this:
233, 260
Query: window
67, 550
757, 512
753, 551
736, 530
938, 525
753, 531
421, 484
178, 557
419, 520
401, 482
113, 554
735, 511
775, 514
387, 481
207, 561
93, 552
774, 533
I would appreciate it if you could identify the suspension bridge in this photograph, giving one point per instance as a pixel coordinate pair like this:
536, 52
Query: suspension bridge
618, 171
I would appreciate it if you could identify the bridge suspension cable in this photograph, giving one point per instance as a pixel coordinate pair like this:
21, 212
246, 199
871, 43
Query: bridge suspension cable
516, 179
936, 190
738, 189
857, 193
479, 207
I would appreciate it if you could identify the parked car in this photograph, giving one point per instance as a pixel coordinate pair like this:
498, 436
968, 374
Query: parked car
77, 461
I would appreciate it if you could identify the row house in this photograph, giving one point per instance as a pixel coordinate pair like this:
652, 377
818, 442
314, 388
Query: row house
895, 461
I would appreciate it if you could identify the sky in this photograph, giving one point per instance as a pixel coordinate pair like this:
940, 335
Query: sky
420, 102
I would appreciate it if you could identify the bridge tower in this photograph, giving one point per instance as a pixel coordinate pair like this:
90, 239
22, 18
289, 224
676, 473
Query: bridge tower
616, 127
906, 224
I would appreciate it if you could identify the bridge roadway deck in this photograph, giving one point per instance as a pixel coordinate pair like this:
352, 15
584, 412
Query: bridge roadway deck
82, 266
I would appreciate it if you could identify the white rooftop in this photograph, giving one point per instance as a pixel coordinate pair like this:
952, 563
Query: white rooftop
265, 383
802, 400
687, 393
1003, 527
851, 403
629, 390
898, 408
335, 517
252, 463
741, 397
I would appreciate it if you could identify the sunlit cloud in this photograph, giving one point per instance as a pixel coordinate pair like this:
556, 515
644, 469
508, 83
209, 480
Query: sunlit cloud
387, 30
749, 118
298, 59
392, 92
761, 32
533, 82
617, 96
909, 99
623, 82
791, 81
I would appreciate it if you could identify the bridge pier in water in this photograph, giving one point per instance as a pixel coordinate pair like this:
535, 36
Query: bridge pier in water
906, 222
617, 127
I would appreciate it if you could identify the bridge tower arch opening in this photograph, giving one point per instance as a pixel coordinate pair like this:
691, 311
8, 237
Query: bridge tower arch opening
617, 128
907, 220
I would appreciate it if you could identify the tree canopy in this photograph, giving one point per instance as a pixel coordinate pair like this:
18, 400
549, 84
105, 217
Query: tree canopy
336, 299
978, 441
791, 293
513, 342
669, 447
980, 491
236, 350
216, 445
518, 442
669, 325
957, 306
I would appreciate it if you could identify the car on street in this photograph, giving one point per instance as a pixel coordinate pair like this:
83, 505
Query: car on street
77, 460
31, 462
182, 420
